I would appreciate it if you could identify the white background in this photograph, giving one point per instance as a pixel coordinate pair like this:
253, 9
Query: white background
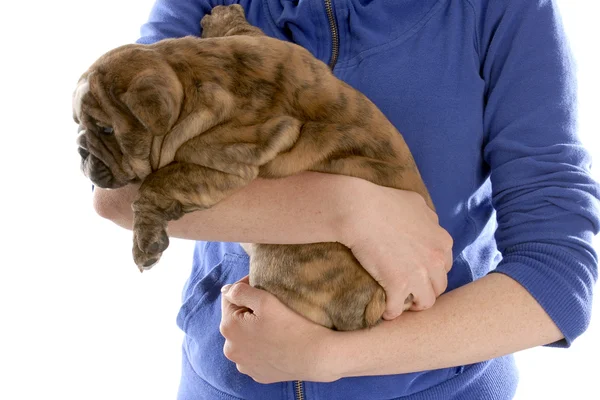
77, 322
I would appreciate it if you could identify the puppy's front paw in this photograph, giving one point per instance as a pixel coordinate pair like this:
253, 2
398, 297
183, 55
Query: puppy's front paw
149, 242
142, 260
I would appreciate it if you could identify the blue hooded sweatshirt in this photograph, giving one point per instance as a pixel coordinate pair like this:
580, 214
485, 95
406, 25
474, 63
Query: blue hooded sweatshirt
484, 93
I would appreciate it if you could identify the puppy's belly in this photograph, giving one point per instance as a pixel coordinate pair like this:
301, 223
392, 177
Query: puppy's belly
322, 281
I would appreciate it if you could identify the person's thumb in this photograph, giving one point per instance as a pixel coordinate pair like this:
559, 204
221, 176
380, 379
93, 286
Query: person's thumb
242, 294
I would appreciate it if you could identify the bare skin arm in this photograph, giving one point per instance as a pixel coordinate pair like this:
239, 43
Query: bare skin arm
414, 257
258, 213
488, 318
491, 317
495, 314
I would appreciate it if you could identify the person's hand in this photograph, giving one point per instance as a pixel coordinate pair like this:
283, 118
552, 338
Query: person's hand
398, 240
270, 342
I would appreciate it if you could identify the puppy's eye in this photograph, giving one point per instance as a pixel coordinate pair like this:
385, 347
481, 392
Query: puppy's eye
105, 130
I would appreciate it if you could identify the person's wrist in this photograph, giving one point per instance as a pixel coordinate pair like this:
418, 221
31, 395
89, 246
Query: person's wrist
353, 210
115, 204
330, 363
345, 354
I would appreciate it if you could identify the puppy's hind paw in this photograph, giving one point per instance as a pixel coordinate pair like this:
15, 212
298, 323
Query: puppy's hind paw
222, 20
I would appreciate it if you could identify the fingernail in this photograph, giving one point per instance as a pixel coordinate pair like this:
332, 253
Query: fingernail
225, 288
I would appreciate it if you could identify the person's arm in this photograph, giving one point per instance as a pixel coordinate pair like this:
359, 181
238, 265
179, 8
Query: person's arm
407, 252
488, 318
491, 317
305, 208
547, 207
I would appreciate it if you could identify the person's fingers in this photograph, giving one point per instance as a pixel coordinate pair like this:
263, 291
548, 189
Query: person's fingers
394, 304
432, 215
228, 308
241, 294
445, 243
439, 281
449, 261
423, 294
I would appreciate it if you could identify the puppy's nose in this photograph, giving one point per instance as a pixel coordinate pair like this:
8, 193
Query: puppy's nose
81, 140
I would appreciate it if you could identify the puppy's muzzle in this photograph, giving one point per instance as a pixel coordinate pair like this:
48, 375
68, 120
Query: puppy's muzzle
93, 167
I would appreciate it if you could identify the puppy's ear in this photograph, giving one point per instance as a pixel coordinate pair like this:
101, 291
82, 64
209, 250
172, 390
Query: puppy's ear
154, 98
81, 90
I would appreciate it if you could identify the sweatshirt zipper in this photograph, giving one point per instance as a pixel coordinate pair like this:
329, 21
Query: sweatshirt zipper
299, 390
335, 51
335, 39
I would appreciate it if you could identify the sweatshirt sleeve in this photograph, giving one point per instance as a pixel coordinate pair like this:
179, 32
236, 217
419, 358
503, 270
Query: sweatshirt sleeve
175, 18
547, 204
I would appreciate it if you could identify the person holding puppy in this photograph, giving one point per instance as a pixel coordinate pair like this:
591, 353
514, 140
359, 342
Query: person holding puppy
484, 94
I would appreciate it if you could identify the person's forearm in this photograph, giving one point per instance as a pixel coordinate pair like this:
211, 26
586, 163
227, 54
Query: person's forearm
488, 318
305, 208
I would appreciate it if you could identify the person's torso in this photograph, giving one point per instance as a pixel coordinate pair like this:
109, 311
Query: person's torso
419, 62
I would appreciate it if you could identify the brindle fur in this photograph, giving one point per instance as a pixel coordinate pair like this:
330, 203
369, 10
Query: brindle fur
197, 119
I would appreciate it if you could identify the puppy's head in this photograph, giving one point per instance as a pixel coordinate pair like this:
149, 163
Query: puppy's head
128, 97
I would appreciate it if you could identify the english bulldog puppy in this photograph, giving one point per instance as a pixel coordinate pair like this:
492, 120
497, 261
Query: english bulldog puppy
195, 119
